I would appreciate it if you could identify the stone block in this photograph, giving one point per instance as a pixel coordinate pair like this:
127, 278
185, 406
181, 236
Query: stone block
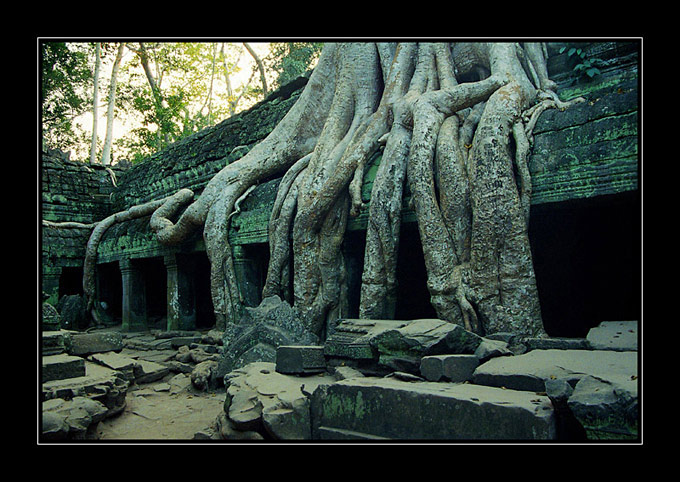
261, 399
531, 370
74, 419
556, 344
147, 371
371, 407
118, 362
210, 349
604, 410
614, 335
489, 349
397, 345
351, 338
61, 367
89, 343
449, 368
54, 342
178, 341
300, 360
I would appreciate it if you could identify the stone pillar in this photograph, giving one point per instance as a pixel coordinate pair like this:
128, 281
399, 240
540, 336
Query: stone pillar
134, 297
181, 308
247, 276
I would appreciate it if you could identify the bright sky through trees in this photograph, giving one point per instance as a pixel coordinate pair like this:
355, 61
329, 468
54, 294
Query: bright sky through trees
184, 72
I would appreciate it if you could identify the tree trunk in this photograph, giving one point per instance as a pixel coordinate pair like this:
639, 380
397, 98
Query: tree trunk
457, 145
155, 91
95, 106
260, 67
106, 153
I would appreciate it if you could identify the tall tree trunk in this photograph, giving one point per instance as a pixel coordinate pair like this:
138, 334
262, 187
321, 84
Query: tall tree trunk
106, 153
95, 102
456, 145
208, 97
260, 67
155, 90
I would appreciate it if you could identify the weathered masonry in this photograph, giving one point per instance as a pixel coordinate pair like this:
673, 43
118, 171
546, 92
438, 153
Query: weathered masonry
585, 227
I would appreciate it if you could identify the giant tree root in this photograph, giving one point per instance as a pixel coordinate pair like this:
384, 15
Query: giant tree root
457, 144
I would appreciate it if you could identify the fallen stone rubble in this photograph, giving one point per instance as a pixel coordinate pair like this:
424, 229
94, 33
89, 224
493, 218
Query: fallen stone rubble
86, 376
431, 380
371, 380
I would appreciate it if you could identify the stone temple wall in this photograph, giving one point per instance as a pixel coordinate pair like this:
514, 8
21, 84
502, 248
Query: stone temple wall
70, 191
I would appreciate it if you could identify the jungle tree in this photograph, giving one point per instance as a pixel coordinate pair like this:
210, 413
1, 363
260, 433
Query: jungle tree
454, 122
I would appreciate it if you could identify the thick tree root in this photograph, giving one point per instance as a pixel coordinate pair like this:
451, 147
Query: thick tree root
457, 144
181, 197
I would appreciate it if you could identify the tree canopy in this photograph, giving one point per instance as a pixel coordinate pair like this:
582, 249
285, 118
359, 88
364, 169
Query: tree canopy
164, 91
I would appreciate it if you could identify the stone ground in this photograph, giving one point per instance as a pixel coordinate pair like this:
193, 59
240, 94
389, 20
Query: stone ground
153, 412
161, 402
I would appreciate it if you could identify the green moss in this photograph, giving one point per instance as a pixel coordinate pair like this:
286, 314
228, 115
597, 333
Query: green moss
611, 428
589, 89
352, 408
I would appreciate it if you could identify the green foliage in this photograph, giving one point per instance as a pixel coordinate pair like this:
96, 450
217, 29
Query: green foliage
585, 65
191, 90
65, 76
289, 60
183, 103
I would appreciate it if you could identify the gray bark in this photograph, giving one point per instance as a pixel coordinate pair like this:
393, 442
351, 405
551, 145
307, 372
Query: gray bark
456, 144
106, 153
95, 104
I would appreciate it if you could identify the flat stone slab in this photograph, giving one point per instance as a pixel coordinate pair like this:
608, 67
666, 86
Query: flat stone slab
530, 370
614, 335
116, 361
372, 407
62, 366
178, 341
556, 344
147, 371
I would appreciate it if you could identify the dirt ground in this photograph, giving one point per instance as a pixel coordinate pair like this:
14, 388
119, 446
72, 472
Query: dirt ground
153, 412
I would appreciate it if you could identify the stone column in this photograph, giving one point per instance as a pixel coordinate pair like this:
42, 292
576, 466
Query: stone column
181, 308
50, 283
247, 276
134, 297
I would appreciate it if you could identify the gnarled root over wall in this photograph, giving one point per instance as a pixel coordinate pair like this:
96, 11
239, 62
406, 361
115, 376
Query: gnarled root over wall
454, 123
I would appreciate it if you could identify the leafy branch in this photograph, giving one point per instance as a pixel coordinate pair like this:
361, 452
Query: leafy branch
586, 66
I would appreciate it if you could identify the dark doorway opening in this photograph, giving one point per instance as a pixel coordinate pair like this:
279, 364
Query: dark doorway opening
588, 260
353, 250
205, 313
110, 290
413, 297
71, 281
155, 283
